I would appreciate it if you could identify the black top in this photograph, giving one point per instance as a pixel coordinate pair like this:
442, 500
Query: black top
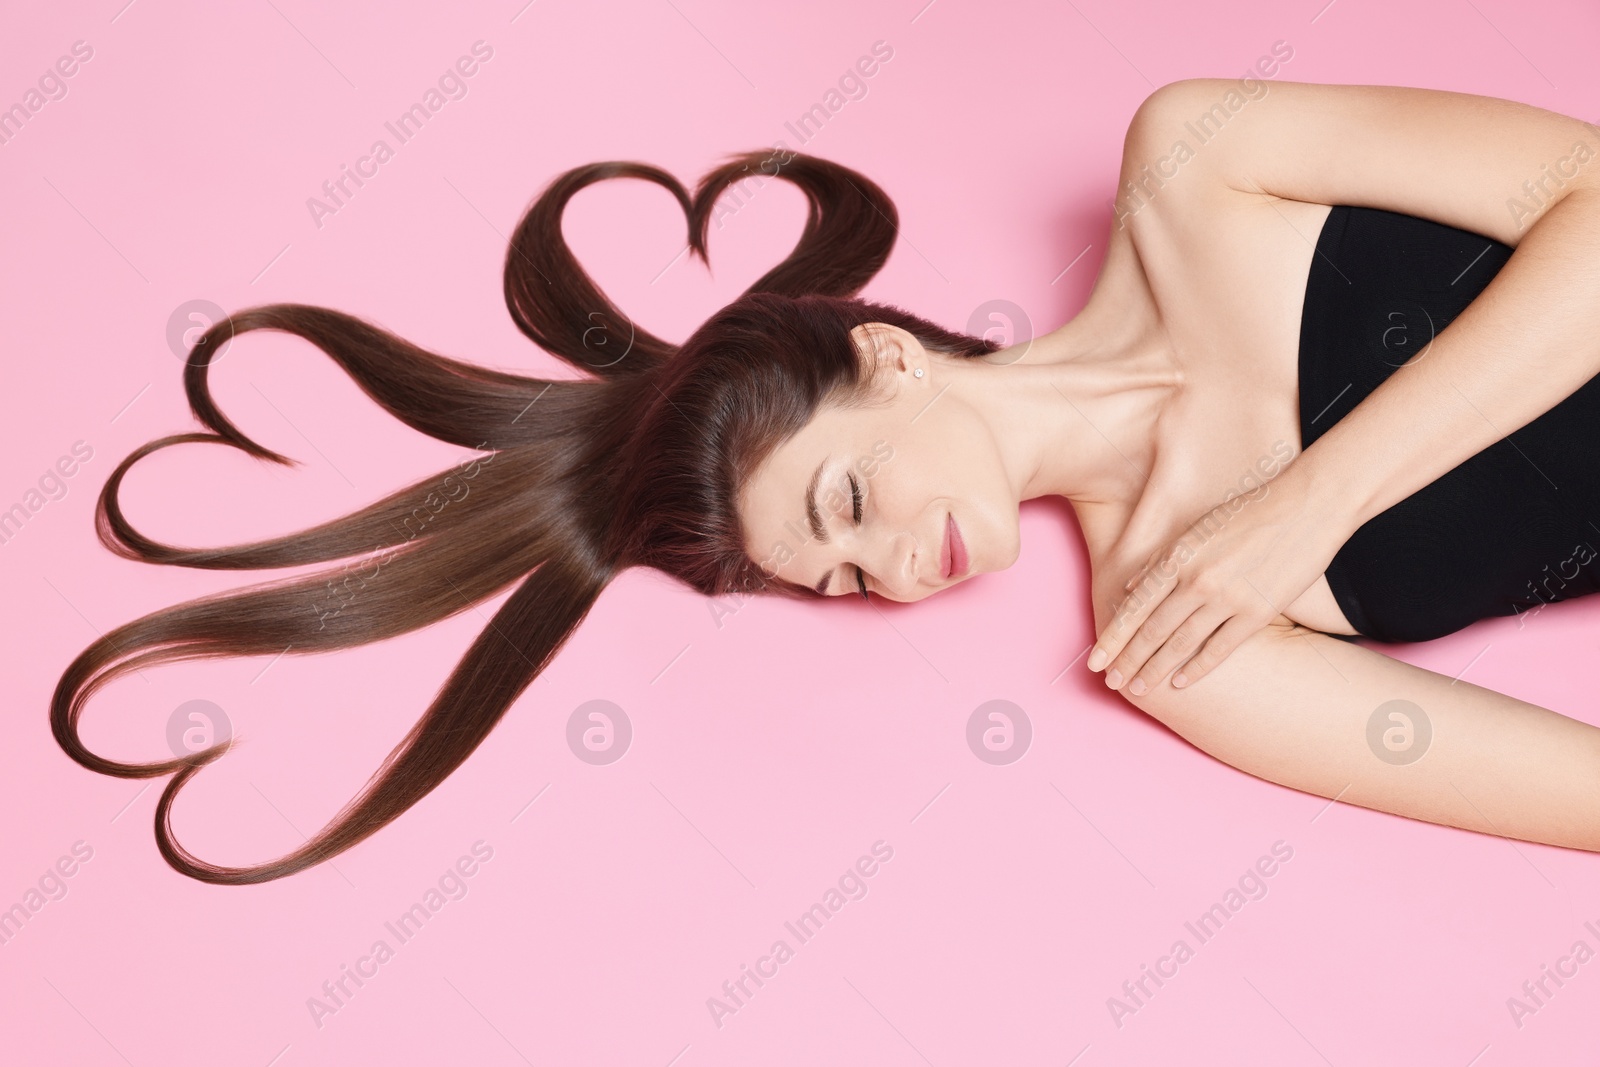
1508, 529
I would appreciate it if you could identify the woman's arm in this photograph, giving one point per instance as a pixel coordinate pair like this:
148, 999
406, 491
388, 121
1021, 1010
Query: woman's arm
1522, 175
1297, 707
1523, 345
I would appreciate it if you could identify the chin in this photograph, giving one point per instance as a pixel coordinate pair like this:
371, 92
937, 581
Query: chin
1014, 552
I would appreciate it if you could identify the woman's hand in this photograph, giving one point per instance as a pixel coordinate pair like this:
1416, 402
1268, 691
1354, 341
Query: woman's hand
1229, 574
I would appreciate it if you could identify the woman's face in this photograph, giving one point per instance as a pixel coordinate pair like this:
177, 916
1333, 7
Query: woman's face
913, 459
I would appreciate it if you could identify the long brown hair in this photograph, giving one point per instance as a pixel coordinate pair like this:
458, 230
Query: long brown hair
640, 463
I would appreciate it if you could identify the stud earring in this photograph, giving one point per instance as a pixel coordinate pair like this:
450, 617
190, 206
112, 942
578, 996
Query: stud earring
918, 372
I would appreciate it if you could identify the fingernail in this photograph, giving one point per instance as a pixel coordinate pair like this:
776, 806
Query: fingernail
1097, 659
1114, 679
1137, 688
1179, 681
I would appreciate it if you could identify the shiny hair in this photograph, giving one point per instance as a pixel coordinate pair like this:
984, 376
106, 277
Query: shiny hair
639, 462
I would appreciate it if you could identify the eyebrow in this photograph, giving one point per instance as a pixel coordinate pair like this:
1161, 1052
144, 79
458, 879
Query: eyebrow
814, 517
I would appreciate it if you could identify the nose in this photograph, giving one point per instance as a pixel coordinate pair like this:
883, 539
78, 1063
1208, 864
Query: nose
899, 565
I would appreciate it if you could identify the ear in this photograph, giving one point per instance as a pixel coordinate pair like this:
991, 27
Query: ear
888, 350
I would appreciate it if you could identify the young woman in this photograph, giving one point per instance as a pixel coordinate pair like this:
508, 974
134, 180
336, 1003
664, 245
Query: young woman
1275, 260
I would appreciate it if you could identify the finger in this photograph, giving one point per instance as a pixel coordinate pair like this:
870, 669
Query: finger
1222, 643
1126, 620
1187, 638
1144, 568
1154, 633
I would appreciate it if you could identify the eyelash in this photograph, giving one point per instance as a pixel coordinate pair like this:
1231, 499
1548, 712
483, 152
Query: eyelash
855, 498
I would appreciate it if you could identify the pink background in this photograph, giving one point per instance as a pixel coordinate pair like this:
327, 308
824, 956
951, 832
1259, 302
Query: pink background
769, 752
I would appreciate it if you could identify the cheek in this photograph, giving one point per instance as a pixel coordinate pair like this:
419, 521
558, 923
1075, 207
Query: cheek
953, 464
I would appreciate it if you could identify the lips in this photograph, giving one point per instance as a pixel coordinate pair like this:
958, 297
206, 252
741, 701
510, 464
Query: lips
953, 552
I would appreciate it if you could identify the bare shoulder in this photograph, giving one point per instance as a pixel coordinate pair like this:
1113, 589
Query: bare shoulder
1339, 720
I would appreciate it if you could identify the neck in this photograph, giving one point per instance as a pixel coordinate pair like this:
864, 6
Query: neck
1075, 411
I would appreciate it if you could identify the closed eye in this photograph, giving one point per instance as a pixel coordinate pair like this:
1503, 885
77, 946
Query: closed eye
855, 498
